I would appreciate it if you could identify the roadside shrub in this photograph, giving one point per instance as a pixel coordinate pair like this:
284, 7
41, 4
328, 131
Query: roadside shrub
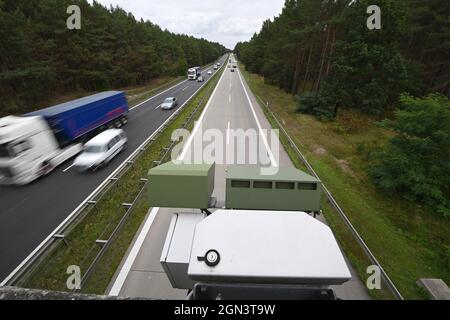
365, 151
415, 163
311, 103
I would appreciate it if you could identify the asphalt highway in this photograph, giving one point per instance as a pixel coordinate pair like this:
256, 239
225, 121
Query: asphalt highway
30, 213
232, 107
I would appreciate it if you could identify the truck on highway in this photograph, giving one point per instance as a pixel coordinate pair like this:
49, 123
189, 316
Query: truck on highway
34, 144
194, 73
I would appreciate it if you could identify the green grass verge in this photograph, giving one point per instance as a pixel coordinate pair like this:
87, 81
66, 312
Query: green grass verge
354, 252
98, 223
409, 242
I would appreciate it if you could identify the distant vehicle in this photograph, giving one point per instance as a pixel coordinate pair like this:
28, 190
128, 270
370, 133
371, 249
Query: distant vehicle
99, 151
210, 72
194, 73
35, 144
216, 67
232, 70
200, 79
169, 103
235, 66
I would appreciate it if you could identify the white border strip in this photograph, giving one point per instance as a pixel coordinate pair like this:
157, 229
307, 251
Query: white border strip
162, 92
126, 268
157, 95
199, 121
261, 132
74, 213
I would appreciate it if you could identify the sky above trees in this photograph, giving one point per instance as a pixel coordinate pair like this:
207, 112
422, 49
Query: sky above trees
224, 21
41, 58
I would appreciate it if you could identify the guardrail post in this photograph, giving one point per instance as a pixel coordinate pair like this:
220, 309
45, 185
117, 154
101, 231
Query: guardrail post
61, 237
101, 242
100, 192
338, 209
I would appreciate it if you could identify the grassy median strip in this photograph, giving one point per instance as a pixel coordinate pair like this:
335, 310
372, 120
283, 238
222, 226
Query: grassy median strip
98, 223
409, 242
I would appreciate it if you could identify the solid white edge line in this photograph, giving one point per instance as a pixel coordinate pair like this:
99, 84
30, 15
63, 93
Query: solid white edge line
141, 103
50, 236
68, 168
261, 132
102, 185
199, 121
129, 261
157, 95
228, 132
126, 268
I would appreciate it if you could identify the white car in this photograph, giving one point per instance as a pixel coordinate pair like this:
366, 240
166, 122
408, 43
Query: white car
209, 72
169, 103
99, 151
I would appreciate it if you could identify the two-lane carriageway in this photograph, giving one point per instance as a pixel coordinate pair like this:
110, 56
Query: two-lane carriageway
28, 214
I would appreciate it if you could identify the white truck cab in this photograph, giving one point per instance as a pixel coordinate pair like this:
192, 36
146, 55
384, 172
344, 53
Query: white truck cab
194, 73
28, 150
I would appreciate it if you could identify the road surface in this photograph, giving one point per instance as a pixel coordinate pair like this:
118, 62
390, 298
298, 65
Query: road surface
30, 213
232, 106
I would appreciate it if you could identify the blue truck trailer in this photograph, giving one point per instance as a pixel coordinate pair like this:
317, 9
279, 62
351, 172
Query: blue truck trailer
74, 119
33, 145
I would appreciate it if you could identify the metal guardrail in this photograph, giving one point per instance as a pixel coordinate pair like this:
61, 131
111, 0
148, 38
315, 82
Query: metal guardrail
336, 206
91, 201
106, 243
130, 206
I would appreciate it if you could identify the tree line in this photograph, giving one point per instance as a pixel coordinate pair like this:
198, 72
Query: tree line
324, 53
323, 49
41, 58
